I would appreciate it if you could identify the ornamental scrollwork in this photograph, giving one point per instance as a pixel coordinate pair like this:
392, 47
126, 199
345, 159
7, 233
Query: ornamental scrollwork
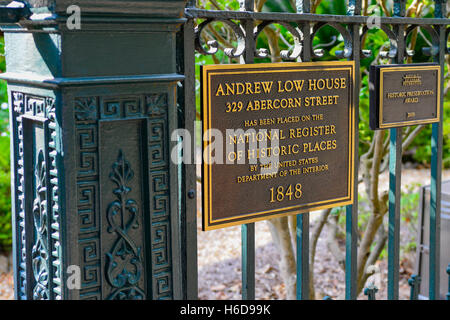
124, 265
293, 53
40, 253
214, 45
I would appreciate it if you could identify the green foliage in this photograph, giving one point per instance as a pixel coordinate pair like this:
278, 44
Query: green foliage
377, 40
5, 195
409, 216
5, 176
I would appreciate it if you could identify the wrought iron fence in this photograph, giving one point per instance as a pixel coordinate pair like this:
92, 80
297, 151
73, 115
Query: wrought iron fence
246, 24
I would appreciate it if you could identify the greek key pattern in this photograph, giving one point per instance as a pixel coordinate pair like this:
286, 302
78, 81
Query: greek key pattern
87, 190
160, 193
88, 111
45, 257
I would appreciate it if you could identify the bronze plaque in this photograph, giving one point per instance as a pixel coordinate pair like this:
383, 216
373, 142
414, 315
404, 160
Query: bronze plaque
278, 139
404, 94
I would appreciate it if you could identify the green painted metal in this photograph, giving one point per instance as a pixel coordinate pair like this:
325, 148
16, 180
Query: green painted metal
188, 194
395, 162
248, 261
353, 20
414, 283
436, 165
448, 272
395, 154
91, 115
371, 292
14, 12
302, 220
248, 231
351, 220
302, 239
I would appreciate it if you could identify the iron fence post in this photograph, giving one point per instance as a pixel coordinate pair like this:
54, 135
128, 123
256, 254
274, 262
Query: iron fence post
302, 220
414, 283
188, 114
448, 293
92, 108
371, 292
351, 213
436, 164
248, 230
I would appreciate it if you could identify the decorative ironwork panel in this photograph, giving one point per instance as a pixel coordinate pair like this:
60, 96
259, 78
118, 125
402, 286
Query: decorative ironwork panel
122, 153
37, 204
124, 265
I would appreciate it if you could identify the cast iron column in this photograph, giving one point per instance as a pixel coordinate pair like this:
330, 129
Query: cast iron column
94, 189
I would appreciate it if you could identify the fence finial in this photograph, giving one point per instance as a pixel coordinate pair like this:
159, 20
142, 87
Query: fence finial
414, 283
448, 272
371, 291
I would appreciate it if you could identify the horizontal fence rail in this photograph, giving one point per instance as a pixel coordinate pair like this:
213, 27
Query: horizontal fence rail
193, 13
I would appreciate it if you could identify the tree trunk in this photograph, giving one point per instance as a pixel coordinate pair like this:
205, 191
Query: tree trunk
279, 228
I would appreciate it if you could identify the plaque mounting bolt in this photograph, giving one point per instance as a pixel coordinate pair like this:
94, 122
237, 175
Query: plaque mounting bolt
191, 194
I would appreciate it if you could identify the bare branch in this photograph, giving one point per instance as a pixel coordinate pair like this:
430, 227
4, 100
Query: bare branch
280, 234
410, 138
332, 242
365, 7
382, 4
377, 157
259, 5
315, 5
216, 5
272, 39
412, 8
373, 257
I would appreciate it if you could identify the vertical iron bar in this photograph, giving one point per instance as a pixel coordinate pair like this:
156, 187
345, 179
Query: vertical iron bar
395, 162
189, 182
302, 232
302, 236
248, 261
371, 292
414, 283
436, 165
248, 230
16, 245
351, 220
448, 273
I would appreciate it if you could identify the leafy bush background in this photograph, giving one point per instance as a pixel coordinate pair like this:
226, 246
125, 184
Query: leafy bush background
5, 176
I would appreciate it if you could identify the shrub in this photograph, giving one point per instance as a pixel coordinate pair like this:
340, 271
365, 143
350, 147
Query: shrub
5, 196
5, 176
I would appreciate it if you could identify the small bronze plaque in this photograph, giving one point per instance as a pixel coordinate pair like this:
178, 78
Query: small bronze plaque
404, 94
278, 139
